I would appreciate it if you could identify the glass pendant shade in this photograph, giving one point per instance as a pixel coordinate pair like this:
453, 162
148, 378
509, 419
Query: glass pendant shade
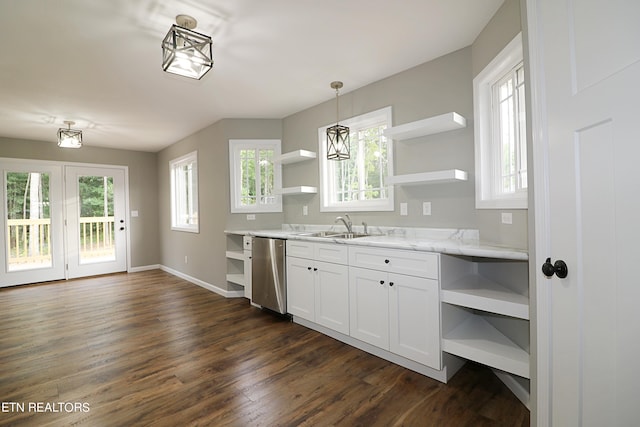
186, 53
69, 138
338, 142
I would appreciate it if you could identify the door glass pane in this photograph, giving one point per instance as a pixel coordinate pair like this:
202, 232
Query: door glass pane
28, 221
96, 223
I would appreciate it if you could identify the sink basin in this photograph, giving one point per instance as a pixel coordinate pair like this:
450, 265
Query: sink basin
335, 234
322, 234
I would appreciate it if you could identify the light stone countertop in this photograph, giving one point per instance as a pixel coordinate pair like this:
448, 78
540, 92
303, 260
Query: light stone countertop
446, 241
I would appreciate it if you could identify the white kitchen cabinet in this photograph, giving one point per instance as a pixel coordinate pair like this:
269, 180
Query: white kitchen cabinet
317, 283
369, 306
394, 302
414, 319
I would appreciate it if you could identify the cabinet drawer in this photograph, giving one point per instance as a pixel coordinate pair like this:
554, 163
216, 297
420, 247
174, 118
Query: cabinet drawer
331, 252
413, 263
299, 249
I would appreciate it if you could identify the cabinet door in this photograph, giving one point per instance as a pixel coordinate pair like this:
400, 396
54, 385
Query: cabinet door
300, 288
332, 296
414, 319
369, 306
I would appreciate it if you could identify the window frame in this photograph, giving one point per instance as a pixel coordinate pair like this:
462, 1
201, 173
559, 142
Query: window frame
235, 170
327, 202
176, 196
487, 149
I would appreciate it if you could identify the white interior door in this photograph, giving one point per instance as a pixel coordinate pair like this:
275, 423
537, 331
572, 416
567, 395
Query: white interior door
32, 244
585, 58
96, 221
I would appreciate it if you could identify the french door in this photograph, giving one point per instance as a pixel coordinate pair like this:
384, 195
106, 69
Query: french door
95, 214
32, 239
60, 221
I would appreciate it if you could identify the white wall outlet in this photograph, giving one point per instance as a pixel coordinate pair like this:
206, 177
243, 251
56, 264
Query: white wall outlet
305, 210
507, 218
186, 259
134, 214
403, 209
426, 208
251, 217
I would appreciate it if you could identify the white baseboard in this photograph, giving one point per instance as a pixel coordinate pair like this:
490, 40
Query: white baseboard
144, 268
203, 284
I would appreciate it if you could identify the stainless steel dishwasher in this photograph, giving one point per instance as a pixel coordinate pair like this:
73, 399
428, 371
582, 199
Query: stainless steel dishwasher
268, 279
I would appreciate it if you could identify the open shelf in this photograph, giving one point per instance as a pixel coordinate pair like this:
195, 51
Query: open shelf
476, 339
238, 279
236, 255
432, 125
476, 292
297, 190
295, 156
451, 175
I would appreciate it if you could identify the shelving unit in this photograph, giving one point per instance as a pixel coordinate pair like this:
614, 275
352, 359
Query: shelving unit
475, 338
429, 126
238, 256
485, 315
303, 189
295, 157
436, 177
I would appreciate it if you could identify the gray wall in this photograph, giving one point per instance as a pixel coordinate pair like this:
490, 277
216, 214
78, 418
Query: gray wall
143, 188
436, 87
205, 251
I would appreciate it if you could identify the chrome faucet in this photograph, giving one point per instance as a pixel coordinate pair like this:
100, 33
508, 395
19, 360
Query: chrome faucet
347, 223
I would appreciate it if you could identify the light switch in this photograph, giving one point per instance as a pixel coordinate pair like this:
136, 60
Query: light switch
403, 209
305, 210
251, 217
134, 214
426, 208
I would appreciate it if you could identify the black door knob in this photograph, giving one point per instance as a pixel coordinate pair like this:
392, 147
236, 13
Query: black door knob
121, 228
559, 268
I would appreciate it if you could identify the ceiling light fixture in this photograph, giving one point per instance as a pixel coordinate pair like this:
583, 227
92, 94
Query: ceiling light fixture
69, 138
337, 135
186, 52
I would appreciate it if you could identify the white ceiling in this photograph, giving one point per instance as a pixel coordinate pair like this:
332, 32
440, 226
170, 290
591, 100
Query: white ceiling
98, 62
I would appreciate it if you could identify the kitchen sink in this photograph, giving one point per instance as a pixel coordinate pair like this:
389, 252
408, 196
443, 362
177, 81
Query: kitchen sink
336, 234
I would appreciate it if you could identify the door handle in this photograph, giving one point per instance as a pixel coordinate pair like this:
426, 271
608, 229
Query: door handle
559, 268
121, 228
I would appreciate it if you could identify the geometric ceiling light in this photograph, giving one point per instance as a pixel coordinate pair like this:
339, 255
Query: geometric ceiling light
186, 52
337, 135
69, 138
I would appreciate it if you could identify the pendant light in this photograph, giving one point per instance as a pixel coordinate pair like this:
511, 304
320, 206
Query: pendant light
337, 135
186, 52
69, 138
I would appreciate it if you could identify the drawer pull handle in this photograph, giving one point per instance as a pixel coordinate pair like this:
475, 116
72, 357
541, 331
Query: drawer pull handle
309, 268
390, 283
386, 261
382, 282
315, 269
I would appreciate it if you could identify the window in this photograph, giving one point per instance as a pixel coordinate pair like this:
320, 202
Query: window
184, 193
500, 131
359, 183
255, 176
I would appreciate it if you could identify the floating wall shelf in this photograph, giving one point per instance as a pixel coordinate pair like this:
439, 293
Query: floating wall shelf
429, 126
295, 156
437, 177
304, 189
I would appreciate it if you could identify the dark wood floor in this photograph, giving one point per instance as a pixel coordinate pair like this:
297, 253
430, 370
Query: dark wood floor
150, 349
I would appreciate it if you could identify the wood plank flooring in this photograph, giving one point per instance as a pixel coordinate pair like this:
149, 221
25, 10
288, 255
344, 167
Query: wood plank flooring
150, 349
